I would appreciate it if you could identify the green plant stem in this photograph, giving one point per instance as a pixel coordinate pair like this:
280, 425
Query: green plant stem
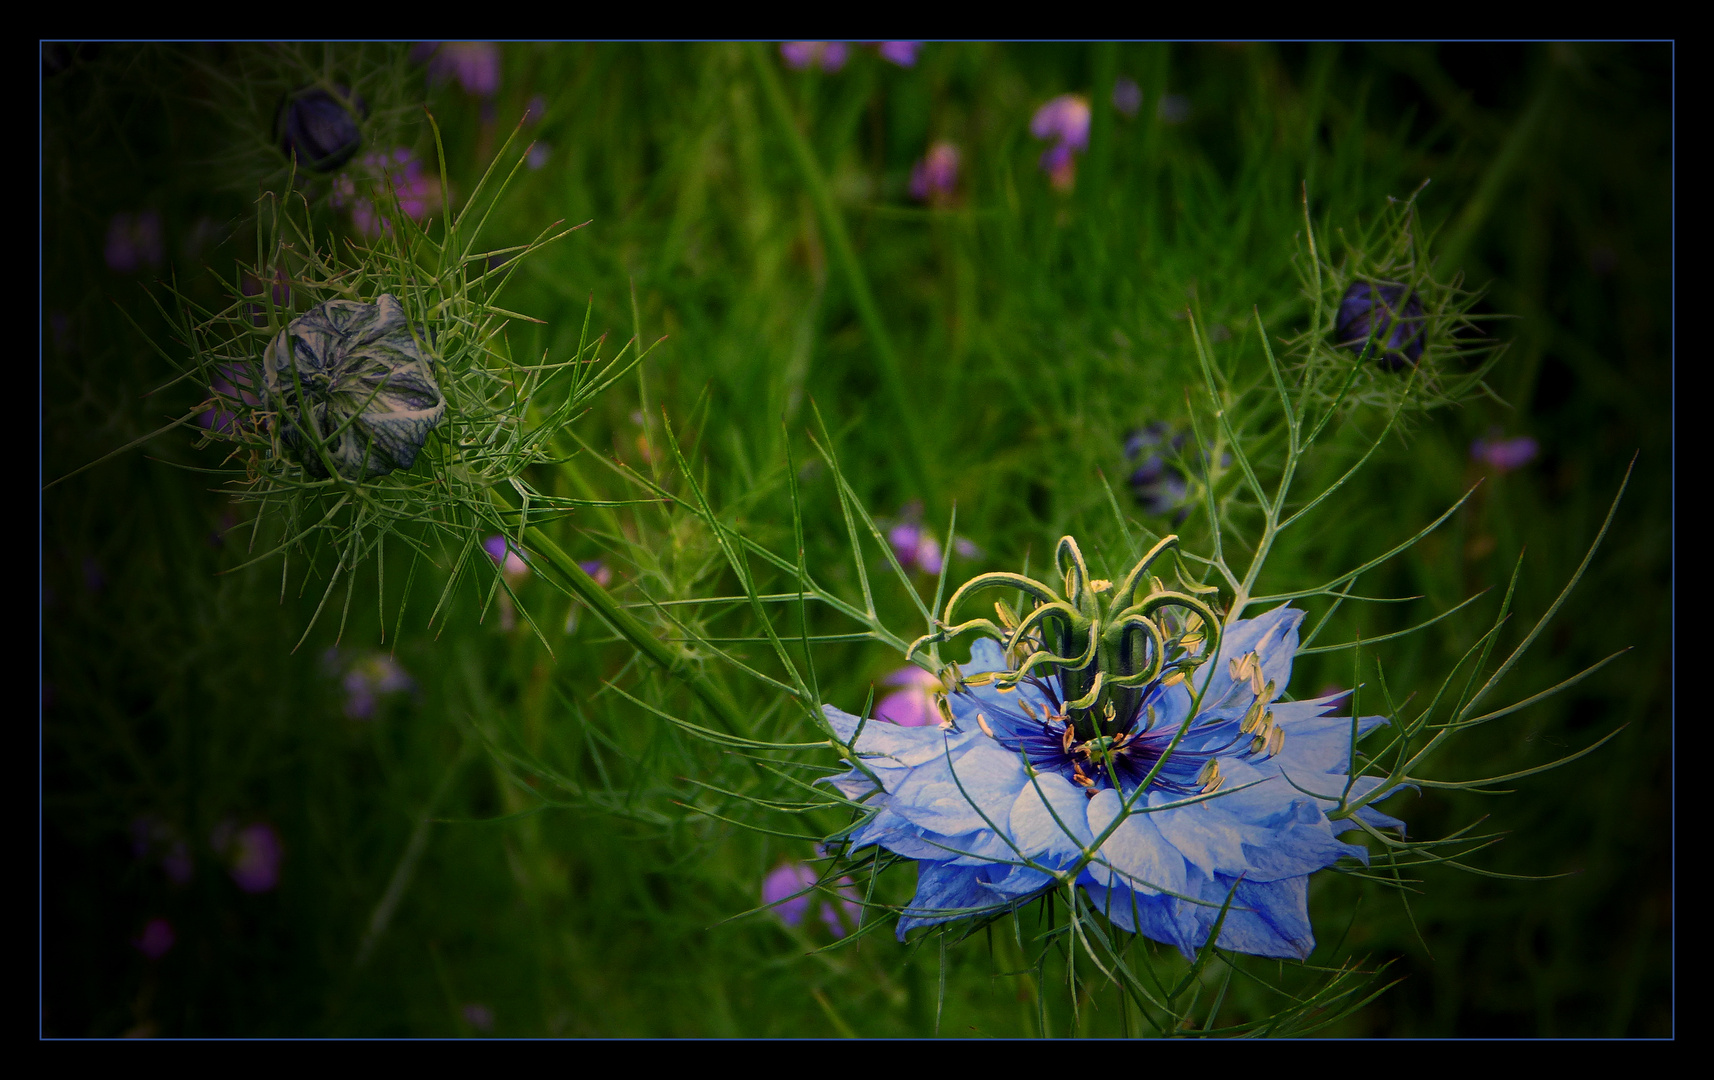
913, 468
674, 662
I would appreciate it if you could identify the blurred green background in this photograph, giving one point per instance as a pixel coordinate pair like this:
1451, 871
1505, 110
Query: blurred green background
227, 850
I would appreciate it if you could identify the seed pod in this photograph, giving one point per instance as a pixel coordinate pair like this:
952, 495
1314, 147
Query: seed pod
368, 392
1369, 311
320, 129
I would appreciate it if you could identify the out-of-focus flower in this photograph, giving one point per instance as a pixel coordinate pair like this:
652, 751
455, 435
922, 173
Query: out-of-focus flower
508, 558
603, 575
1064, 120
367, 390
151, 837
915, 548
538, 155
133, 241
368, 677
1159, 482
902, 53
790, 878
1127, 96
914, 706
156, 940
535, 109
1186, 813
826, 55
417, 192
1504, 455
320, 128
1382, 320
254, 854
479, 1016
230, 385
475, 64
935, 177
1173, 108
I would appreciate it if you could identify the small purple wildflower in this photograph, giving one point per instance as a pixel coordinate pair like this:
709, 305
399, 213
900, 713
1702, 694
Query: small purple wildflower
935, 177
1504, 455
255, 854
506, 555
598, 570
418, 193
369, 677
1159, 482
538, 155
829, 56
535, 109
156, 940
1368, 311
1127, 96
790, 878
915, 548
1064, 119
902, 53
133, 241
914, 705
475, 64
479, 1016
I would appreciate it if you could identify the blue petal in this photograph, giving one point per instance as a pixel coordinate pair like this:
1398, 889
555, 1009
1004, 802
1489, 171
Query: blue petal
946, 795
943, 893
1057, 837
1267, 918
1137, 854
1205, 836
1272, 636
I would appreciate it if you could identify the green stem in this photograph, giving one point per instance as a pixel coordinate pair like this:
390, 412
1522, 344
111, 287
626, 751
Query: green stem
913, 470
674, 662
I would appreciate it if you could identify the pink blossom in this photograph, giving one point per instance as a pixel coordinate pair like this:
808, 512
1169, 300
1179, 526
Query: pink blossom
913, 706
826, 55
935, 177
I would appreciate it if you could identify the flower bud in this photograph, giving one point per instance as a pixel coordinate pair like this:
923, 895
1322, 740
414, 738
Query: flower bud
1368, 311
367, 390
320, 129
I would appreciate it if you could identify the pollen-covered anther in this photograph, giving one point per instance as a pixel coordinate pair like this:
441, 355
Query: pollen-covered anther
1174, 679
1099, 585
1253, 718
1210, 777
982, 722
1260, 688
1067, 737
1078, 777
1276, 739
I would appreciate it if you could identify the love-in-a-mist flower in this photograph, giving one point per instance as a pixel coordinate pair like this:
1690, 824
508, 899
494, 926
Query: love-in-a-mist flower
1381, 321
826, 55
320, 128
790, 888
1064, 120
935, 177
1504, 455
1120, 738
400, 172
356, 379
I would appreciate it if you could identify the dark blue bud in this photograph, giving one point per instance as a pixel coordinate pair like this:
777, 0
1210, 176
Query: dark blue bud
356, 375
320, 129
1368, 312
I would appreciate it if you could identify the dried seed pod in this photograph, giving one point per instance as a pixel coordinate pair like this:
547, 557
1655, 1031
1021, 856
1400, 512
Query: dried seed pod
356, 376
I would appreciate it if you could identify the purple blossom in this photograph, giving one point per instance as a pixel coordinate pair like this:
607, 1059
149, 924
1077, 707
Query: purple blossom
318, 129
538, 155
914, 705
255, 854
418, 193
506, 555
1159, 481
1504, 455
598, 570
369, 677
1127, 96
790, 878
902, 53
935, 177
535, 109
915, 548
826, 55
1065, 120
475, 64
133, 241
156, 940
230, 385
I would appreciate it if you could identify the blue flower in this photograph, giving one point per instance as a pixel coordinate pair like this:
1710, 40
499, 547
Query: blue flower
1100, 774
357, 375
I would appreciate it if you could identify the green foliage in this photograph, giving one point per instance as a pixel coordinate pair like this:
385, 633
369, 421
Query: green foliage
546, 825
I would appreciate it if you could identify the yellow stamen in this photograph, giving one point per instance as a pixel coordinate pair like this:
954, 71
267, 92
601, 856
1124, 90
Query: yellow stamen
982, 722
